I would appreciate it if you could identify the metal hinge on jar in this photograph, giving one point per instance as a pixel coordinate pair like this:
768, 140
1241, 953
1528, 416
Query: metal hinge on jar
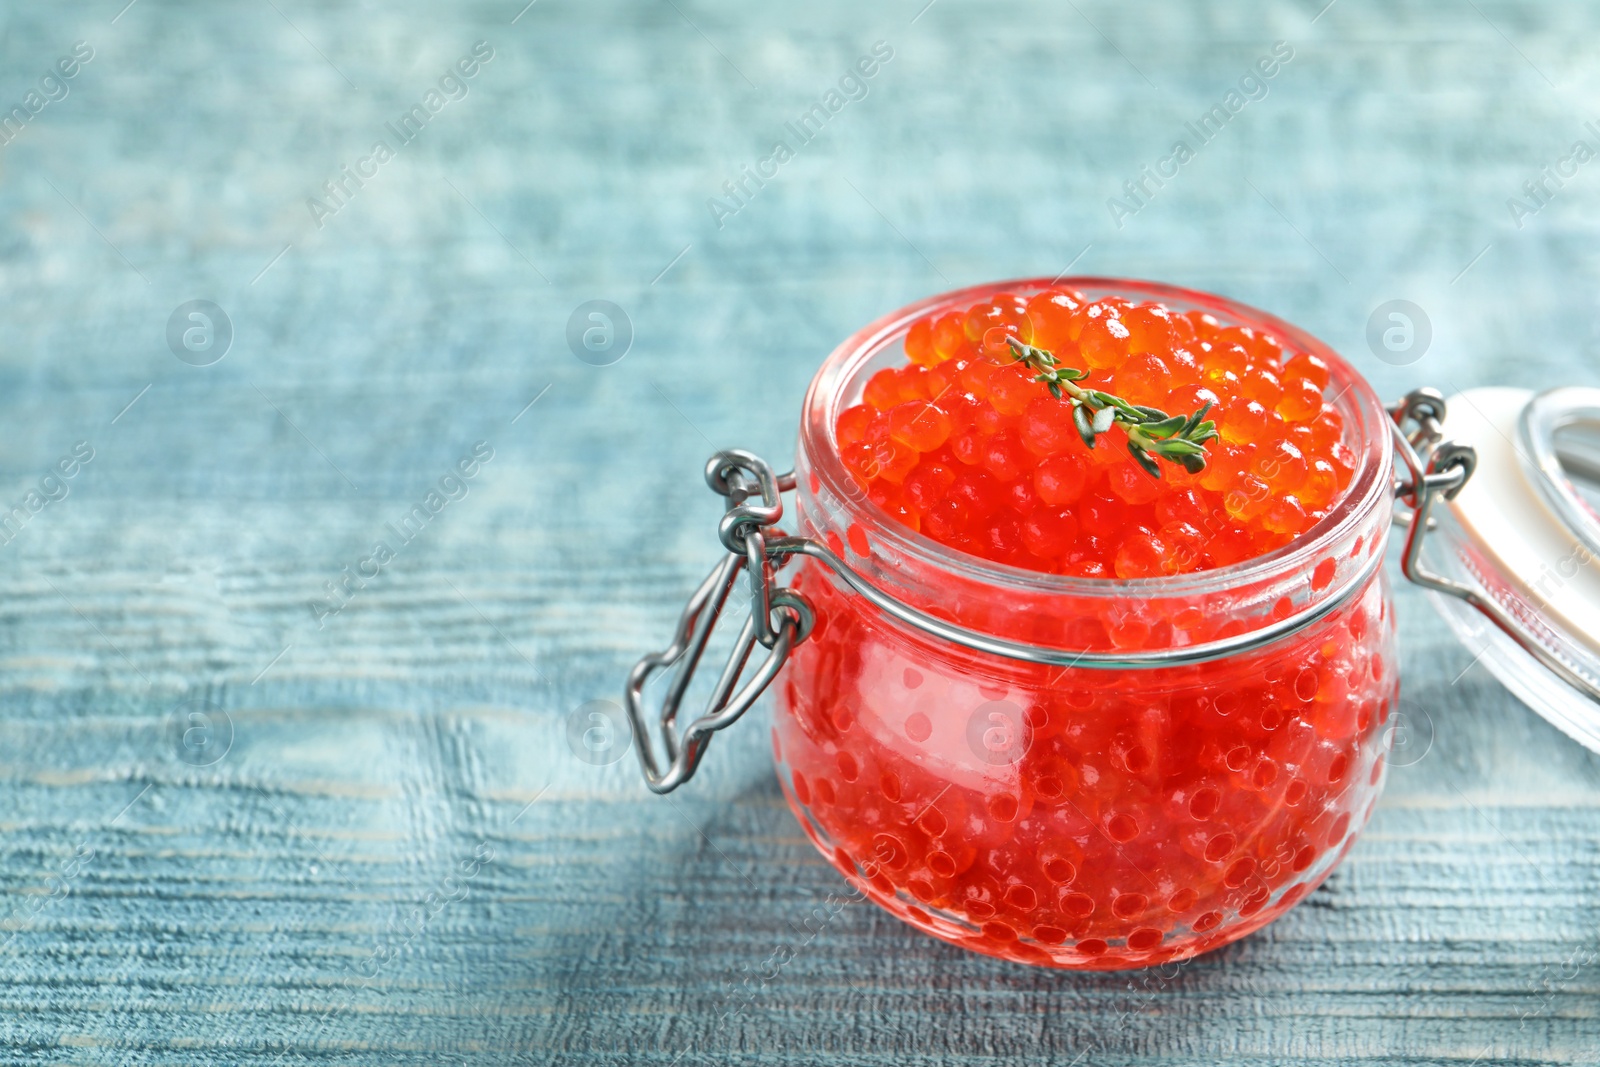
778, 620
1438, 468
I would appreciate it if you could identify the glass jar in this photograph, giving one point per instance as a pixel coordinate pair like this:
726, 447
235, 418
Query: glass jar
1097, 774
1200, 754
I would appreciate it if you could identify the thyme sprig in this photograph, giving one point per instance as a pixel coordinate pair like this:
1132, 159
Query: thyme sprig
1179, 439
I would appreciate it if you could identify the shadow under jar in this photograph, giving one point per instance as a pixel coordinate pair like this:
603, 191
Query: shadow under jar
1202, 754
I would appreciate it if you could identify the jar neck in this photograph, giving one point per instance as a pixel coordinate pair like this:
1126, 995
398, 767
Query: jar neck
1078, 614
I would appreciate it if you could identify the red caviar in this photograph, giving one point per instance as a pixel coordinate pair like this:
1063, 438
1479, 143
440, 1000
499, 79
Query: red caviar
964, 445
1061, 815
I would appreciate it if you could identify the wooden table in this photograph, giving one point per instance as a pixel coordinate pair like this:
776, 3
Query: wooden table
257, 811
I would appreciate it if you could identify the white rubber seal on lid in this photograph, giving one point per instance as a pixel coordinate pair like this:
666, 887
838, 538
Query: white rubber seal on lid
1504, 510
1510, 533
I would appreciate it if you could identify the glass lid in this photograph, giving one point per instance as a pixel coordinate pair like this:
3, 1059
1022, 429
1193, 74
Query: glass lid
1518, 547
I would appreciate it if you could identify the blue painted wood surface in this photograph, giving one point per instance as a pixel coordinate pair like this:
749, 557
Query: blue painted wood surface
378, 846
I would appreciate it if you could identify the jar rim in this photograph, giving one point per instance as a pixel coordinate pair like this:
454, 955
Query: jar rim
1368, 488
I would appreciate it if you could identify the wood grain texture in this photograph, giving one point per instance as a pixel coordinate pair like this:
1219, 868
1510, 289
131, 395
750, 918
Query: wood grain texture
289, 903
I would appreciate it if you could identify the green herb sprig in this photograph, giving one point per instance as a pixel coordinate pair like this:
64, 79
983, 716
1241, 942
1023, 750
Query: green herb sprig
1179, 439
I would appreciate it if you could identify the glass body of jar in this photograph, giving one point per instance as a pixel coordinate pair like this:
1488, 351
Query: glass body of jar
1100, 817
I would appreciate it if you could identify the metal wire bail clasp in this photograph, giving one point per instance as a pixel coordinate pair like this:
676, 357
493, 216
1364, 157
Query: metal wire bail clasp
778, 620
1438, 469
1434, 469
